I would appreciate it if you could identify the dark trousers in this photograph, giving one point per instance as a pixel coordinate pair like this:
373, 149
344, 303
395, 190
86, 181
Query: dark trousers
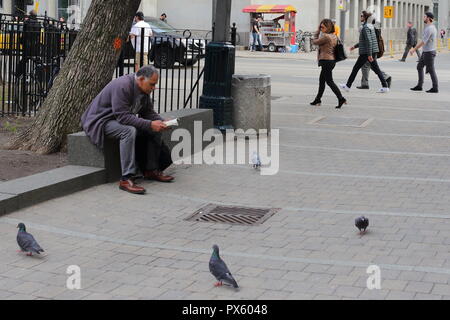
326, 77
407, 48
362, 59
139, 149
427, 60
151, 152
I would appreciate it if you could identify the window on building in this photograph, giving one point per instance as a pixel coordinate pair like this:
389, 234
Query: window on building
73, 11
69, 10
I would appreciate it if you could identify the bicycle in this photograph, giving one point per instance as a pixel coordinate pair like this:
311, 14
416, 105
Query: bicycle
304, 39
31, 88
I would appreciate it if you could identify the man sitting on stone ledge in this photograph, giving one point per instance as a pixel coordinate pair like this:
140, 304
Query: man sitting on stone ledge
123, 110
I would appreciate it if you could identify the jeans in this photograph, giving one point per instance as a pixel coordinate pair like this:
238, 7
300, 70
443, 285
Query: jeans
365, 74
256, 38
326, 76
427, 60
139, 149
362, 59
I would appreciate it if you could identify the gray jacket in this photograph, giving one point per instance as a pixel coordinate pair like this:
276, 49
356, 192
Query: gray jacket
368, 43
120, 100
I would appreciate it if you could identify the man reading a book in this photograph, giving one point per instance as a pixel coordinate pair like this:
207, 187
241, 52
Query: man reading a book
123, 110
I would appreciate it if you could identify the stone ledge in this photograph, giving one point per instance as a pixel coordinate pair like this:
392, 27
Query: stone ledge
27, 191
82, 152
88, 167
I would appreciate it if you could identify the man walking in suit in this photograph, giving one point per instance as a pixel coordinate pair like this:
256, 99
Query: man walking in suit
411, 41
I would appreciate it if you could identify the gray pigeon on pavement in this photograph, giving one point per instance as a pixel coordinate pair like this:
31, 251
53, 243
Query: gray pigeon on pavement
26, 241
220, 271
362, 223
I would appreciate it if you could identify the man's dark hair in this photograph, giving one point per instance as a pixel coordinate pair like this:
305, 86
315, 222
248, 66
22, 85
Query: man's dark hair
430, 15
139, 15
163, 14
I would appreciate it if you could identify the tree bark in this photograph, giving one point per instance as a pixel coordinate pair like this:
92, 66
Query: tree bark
88, 68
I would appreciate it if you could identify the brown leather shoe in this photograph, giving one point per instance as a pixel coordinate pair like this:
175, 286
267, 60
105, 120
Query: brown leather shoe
131, 187
157, 175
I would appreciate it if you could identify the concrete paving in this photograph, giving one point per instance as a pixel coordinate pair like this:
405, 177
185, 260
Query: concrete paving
394, 170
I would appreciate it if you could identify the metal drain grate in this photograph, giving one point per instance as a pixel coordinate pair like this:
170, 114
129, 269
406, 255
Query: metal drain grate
232, 215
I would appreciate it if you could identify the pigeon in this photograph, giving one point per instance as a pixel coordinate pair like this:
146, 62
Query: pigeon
26, 241
256, 160
220, 271
362, 223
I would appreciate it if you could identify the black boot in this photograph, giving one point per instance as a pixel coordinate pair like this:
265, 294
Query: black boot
341, 102
316, 102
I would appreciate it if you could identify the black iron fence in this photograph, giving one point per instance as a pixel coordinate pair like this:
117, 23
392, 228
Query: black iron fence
32, 51
179, 59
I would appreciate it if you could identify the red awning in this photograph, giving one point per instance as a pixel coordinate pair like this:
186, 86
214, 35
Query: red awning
269, 8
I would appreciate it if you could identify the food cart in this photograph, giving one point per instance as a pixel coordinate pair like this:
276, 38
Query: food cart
278, 31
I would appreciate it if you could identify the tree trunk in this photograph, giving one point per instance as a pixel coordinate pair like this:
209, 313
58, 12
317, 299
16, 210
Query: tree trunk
88, 68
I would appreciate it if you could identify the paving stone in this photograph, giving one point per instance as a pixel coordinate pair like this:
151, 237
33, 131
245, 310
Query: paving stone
441, 289
27, 288
49, 292
421, 287
348, 291
394, 170
400, 295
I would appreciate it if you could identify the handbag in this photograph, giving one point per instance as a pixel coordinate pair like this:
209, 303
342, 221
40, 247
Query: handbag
339, 51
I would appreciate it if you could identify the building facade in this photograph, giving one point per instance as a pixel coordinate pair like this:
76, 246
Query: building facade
197, 14
442, 13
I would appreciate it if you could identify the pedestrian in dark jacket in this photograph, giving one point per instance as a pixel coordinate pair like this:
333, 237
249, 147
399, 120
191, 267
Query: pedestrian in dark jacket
411, 41
326, 39
368, 49
365, 70
123, 110
30, 41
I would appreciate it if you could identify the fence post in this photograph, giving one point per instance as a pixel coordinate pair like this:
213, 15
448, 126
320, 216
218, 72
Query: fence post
391, 48
141, 55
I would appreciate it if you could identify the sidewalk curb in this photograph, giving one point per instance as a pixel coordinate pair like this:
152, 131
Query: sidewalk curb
27, 191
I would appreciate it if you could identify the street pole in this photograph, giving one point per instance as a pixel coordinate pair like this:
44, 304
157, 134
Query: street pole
343, 7
343, 18
219, 68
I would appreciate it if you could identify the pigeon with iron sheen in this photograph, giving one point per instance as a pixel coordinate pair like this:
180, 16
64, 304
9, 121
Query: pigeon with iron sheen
220, 271
26, 241
362, 223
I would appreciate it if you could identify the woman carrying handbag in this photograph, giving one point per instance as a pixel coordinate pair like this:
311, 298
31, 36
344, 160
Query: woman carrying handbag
327, 42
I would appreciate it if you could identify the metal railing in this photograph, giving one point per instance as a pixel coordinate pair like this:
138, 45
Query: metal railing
31, 56
179, 60
32, 51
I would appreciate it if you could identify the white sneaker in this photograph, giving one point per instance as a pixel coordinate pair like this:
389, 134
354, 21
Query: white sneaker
383, 90
344, 87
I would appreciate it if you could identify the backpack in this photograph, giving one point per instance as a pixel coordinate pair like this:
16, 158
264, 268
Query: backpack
380, 43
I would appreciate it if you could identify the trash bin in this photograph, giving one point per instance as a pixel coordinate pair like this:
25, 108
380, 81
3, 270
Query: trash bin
252, 101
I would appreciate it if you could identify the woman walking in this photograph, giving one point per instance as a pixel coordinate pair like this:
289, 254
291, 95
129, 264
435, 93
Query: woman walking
368, 49
327, 43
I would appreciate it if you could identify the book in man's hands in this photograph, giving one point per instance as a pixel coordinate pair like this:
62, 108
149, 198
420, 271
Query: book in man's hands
171, 123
